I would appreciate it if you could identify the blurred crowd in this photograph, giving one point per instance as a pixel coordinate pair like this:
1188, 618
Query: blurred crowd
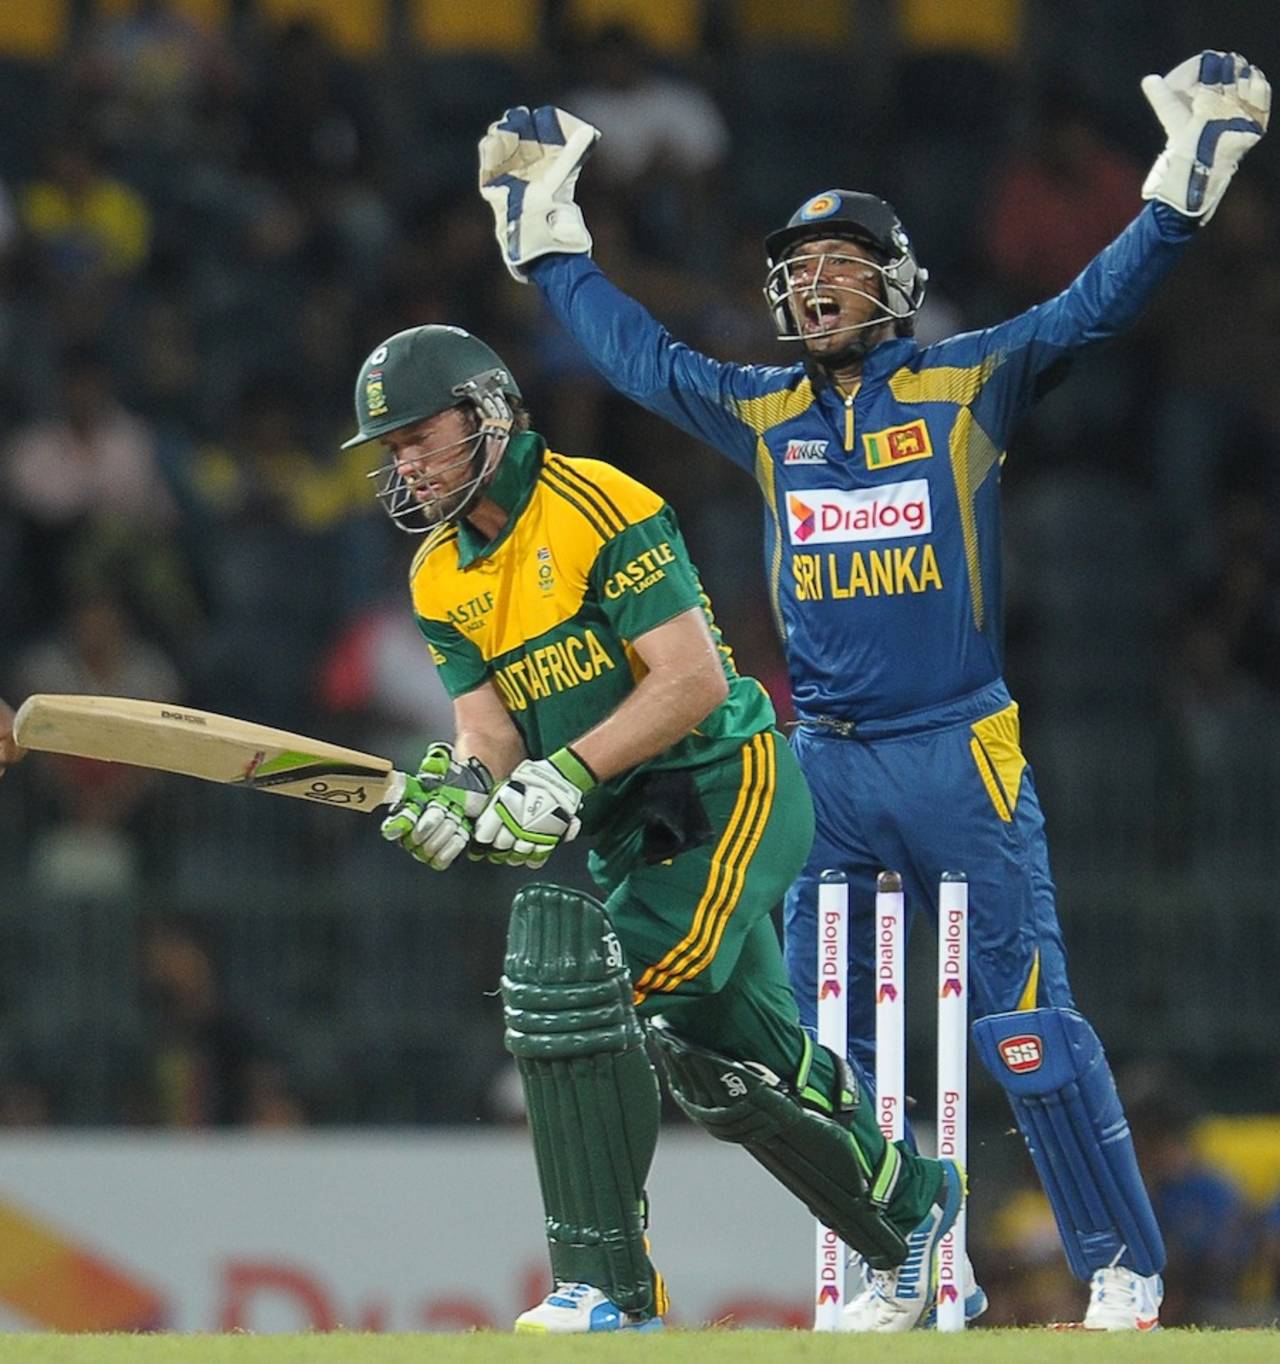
210, 210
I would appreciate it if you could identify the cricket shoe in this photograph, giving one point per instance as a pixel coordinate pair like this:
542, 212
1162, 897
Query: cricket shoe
1120, 1300
975, 1300
899, 1299
576, 1308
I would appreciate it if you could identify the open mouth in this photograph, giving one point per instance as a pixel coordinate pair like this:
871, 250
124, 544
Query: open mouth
821, 314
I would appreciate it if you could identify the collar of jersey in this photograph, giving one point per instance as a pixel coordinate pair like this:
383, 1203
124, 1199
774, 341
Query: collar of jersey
881, 360
511, 489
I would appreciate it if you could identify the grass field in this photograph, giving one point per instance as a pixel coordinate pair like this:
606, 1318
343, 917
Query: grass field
671, 1347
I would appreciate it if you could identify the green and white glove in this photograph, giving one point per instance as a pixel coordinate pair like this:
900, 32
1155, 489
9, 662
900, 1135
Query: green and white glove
1213, 107
530, 160
434, 820
535, 810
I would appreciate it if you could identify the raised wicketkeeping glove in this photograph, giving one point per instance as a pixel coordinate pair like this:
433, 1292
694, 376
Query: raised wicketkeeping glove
434, 820
530, 160
1213, 108
535, 810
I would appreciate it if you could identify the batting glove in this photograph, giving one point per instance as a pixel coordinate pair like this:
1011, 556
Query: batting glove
1213, 108
530, 160
433, 822
535, 809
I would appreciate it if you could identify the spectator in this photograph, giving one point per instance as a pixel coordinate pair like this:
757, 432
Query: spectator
88, 845
1203, 1215
146, 77
89, 233
289, 544
665, 143
200, 1065
313, 133
1058, 201
85, 468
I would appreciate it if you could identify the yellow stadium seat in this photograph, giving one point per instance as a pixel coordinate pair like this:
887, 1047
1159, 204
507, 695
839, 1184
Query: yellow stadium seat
507, 27
988, 28
209, 13
672, 26
1247, 1148
811, 23
355, 27
33, 30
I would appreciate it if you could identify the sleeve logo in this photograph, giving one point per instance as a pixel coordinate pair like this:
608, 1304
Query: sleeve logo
897, 445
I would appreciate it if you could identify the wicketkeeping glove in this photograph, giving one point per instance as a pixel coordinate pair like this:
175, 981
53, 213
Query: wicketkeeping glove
1213, 108
530, 160
535, 809
434, 820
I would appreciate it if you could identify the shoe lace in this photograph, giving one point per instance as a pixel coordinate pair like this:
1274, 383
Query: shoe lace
571, 1290
904, 1280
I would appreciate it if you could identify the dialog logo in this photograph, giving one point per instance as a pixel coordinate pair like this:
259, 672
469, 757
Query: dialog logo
1022, 1054
800, 515
846, 515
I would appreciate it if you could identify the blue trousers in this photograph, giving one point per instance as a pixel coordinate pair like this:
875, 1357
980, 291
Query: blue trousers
919, 800
951, 791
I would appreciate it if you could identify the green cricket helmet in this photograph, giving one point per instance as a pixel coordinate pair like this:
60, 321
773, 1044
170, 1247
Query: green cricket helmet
417, 374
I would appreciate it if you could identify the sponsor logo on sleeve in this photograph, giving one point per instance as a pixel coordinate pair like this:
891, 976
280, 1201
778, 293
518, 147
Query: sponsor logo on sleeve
846, 515
805, 452
897, 445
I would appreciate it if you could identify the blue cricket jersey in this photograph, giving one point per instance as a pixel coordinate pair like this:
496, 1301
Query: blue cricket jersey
882, 516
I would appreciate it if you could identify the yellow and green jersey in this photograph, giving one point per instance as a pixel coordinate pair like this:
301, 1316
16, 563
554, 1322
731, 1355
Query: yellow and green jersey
548, 611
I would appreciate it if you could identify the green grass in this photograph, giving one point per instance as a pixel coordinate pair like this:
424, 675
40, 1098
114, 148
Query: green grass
671, 1347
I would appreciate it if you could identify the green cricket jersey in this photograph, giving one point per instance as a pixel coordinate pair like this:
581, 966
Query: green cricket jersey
547, 611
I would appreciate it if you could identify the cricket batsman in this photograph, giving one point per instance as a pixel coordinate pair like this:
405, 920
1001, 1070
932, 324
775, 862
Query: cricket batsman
594, 694
879, 464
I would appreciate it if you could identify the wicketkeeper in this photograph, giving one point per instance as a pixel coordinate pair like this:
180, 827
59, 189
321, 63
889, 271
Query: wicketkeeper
593, 693
879, 461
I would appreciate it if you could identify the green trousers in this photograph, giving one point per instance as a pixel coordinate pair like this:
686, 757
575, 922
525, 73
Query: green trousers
702, 949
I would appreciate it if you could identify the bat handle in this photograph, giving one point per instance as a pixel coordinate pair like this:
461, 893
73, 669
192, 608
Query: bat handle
394, 794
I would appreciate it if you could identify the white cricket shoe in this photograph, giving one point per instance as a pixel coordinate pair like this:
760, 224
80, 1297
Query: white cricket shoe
899, 1299
1120, 1300
975, 1300
577, 1307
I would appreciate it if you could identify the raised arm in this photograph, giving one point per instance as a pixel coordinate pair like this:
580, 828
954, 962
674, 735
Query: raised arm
530, 161
1213, 108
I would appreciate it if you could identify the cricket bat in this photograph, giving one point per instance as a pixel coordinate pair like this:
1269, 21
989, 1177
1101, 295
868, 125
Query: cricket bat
198, 743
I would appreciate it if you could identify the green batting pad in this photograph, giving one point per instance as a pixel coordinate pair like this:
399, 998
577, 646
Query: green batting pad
818, 1159
590, 1092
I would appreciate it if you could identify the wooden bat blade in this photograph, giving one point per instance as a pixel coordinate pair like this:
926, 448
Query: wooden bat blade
199, 743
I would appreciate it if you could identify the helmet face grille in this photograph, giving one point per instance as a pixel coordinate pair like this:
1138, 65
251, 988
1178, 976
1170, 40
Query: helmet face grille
845, 215
416, 516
